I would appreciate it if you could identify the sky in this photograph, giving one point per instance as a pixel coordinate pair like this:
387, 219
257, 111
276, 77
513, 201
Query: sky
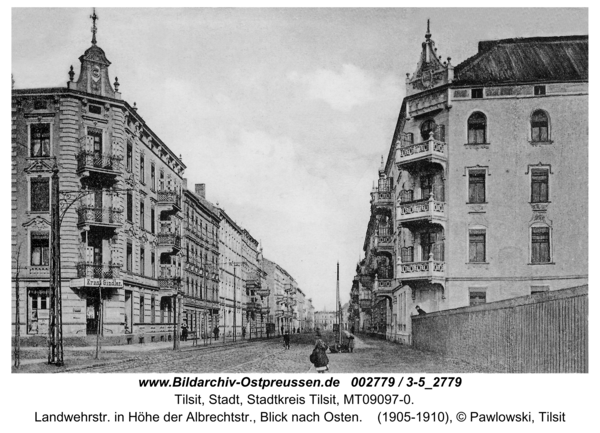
284, 114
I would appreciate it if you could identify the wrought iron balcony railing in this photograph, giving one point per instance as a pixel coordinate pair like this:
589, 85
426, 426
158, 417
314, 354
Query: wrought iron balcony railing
91, 215
98, 270
95, 161
169, 198
172, 240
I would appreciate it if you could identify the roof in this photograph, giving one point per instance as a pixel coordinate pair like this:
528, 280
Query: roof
521, 60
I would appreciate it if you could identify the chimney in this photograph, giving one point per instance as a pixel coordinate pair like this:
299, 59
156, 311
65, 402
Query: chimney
184, 183
201, 190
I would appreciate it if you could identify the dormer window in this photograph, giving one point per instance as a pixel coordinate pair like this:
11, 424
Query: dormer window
539, 90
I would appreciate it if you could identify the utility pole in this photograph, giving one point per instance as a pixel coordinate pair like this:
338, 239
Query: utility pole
337, 304
17, 348
55, 340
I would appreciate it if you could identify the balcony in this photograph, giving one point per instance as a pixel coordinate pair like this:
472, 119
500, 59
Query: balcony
431, 271
102, 164
290, 289
169, 201
253, 306
169, 237
97, 275
431, 150
384, 239
88, 216
253, 282
383, 195
421, 210
169, 278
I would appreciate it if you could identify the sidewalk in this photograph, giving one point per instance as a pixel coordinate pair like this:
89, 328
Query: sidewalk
78, 357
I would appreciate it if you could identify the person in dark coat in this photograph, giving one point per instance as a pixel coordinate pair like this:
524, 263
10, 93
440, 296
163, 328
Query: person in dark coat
286, 340
420, 310
351, 343
216, 332
184, 332
321, 361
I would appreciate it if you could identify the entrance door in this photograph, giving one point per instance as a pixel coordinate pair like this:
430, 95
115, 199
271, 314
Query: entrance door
92, 315
128, 312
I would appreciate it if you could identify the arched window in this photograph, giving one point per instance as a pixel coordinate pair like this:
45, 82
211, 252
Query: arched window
476, 126
539, 126
427, 127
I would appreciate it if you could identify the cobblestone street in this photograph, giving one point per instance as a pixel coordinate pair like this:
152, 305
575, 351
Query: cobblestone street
263, 356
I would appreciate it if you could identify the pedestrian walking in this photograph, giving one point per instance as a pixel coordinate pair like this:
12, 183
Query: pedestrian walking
286, 340
319, 356
351, 343
216, 332
243, 332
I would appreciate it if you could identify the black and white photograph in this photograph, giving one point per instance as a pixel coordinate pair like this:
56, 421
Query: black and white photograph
301, 191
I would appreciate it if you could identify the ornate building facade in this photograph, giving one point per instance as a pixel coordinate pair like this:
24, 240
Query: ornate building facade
200, 279
487, 166
120, 192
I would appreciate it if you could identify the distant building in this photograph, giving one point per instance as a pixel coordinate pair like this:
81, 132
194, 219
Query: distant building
483, 195
200, 279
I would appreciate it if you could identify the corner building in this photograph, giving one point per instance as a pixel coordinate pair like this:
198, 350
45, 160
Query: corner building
120, 205
483, 196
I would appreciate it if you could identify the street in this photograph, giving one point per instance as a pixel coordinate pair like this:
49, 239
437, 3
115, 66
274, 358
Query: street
259, 356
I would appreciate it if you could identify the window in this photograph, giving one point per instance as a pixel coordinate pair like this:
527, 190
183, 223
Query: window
539, 126
129, 257
142, 169
129, 206
95, 109
142, 261
153, 264
152, 218
477, 186
142, 309
40, 139
427, 127
476, 93
129, 156
540, 245
539, 90
476, 128
40, 194
539, 185
95, 136
476, 246
142, 215
161, 181
477, 297
40, 249
152, 177
407, 254
152, 309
